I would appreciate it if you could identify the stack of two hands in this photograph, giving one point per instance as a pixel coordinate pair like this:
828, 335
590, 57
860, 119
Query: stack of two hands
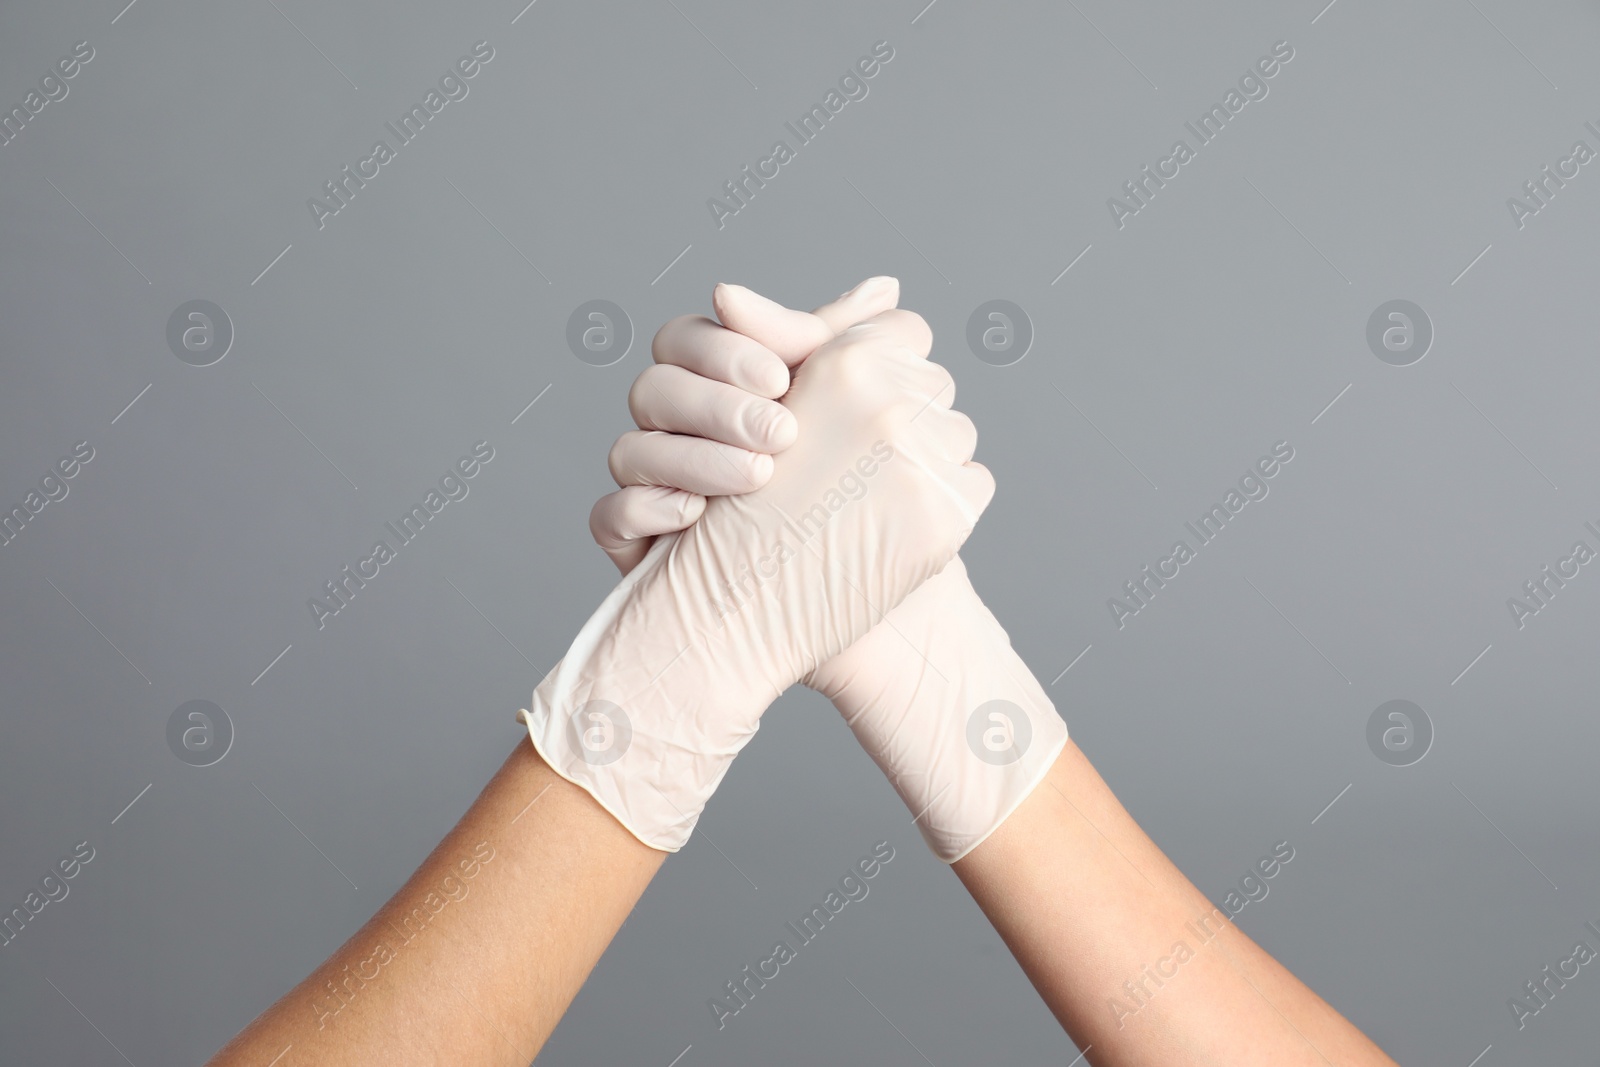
790, 511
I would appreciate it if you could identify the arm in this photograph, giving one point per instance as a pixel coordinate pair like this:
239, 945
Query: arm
1083, 897
465, 962
1095, 914
482, 950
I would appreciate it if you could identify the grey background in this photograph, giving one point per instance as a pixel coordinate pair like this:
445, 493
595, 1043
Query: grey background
1223, 318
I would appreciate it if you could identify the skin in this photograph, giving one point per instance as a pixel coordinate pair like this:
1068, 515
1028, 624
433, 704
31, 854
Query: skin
1086, 902
487, 943
486, 979
1083, 897
498, 955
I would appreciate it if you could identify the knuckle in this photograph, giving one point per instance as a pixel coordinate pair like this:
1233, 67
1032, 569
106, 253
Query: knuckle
942, 384
905, 318
756, 469
748, 423
744, 471
912, 326
986, 484
964, 433
893, 420
851, 344
690, 507
766, 423
847, 365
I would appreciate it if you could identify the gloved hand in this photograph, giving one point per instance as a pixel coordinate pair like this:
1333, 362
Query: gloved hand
935, 694
709, 418
668, 679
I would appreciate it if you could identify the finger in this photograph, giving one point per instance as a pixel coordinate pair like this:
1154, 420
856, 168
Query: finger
676, 400
953, 436
896, 326
699, 344
931, 381
679, 461
625, 522
974, 484
792, 334
872, 297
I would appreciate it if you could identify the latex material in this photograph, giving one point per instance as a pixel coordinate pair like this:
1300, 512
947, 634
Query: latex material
947, 709
666, 682
698, 440
935, 694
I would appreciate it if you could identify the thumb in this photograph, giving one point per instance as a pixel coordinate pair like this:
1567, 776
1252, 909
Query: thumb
794, 335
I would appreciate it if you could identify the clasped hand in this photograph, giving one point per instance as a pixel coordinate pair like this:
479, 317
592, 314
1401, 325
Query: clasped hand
876, 494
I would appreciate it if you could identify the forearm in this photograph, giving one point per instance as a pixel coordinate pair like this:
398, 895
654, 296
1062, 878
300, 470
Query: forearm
480, 952
946, 708
1087, 902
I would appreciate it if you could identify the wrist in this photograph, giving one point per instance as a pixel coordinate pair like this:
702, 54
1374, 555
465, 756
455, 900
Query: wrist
645, 722
948, 710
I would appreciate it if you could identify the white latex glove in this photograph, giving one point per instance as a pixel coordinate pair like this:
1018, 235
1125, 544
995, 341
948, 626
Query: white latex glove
709, 418
667, 681
935, 694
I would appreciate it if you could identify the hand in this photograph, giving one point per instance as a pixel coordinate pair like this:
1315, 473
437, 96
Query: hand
672, 672
935, 694
708, 414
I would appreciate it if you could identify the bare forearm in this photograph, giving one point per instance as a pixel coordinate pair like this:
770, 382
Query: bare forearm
481, 951
1090, 906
